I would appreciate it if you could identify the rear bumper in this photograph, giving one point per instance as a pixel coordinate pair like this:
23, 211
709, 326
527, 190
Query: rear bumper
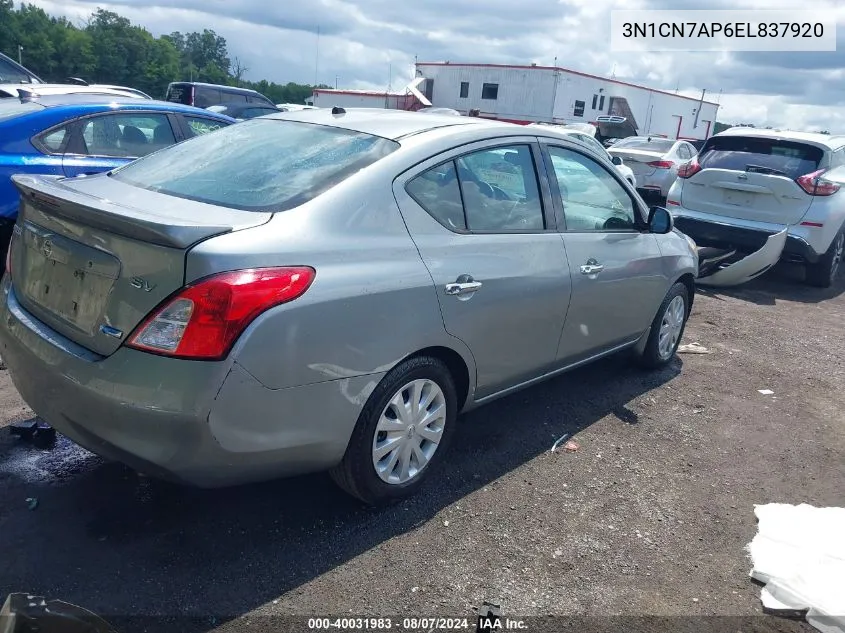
205, 424
707, 232
656, 184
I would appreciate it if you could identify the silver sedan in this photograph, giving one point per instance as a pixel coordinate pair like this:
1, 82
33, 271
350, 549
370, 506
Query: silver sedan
654, 161
327, 290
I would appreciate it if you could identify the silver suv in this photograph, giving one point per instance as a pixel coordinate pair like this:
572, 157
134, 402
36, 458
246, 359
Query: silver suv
772, 191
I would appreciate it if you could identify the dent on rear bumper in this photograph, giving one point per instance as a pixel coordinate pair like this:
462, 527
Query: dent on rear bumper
207, 424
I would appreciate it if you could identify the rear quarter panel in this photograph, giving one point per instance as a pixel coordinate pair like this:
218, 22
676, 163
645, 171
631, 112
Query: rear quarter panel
372, 303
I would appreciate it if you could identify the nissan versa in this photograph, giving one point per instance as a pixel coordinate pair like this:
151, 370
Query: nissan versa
326, 290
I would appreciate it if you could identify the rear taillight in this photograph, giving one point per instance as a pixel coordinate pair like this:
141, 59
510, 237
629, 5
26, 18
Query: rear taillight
687, 170
815, 185
661, 164
203, 320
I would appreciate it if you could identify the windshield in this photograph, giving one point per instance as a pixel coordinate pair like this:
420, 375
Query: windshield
258, 165
13, 108
762, 155
652, 145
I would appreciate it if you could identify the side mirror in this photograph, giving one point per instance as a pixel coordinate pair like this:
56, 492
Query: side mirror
616, 160
660, 221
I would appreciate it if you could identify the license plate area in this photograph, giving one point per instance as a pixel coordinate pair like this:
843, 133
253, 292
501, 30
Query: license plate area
65, 278
737, 198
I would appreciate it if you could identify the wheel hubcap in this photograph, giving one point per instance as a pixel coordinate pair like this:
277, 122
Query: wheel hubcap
409, 431
670, 327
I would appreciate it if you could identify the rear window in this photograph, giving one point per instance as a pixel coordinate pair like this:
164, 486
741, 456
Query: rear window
13, 108
773, 156
653, 145
258, 165
179, 93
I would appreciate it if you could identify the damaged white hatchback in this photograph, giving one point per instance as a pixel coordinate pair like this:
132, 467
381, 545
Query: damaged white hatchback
754, 197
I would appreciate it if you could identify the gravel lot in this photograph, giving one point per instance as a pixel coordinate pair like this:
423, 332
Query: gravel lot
649, 517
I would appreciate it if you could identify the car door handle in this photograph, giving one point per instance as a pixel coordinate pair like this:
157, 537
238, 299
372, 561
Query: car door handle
591, 269
463, 288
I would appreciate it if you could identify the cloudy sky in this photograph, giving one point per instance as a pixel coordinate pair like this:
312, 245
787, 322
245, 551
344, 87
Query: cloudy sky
365, 43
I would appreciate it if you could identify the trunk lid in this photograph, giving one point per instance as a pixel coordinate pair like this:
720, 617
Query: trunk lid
746, 196
637, 160
92, 268
752, 178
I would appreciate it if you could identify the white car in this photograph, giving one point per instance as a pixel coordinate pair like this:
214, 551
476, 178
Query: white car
585, 133
769, 195
654, 161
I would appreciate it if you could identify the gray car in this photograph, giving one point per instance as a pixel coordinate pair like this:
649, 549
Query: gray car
327, 290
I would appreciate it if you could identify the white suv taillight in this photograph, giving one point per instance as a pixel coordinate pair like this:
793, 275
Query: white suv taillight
815, 185
203, 320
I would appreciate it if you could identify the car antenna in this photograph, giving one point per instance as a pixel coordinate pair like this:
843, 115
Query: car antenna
338, 110
27, 95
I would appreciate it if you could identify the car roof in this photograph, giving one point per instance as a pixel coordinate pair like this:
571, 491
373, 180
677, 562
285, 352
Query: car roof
95, 102
831, 142
225, 87
390, 124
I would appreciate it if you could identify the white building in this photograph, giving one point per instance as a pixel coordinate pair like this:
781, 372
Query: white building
527, 94
329, 98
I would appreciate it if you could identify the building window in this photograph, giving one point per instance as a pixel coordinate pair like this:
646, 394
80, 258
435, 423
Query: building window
464, 89
579, 108
595, 101
490, 91
601, 103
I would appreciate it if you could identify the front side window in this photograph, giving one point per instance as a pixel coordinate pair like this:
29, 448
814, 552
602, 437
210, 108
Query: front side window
126, 135
593, 200
258, 165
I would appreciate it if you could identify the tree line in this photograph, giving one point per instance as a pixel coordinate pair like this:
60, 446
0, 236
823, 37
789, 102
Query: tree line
107, 48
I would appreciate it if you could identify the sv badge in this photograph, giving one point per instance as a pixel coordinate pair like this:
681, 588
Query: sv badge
141, 284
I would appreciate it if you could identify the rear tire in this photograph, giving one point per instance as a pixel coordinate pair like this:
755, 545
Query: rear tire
667, 329
823, 273
392, 431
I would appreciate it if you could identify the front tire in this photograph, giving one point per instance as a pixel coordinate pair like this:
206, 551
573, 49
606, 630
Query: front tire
823, 273
403, 430
667, 329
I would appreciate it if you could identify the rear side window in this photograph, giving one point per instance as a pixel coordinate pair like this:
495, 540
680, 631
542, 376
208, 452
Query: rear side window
258, 165
773, 156
53, 141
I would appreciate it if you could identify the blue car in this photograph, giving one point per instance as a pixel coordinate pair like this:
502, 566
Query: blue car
76, 134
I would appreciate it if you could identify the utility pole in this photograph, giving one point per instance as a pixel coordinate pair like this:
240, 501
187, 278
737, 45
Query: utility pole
317, 58
20, 54
698, 109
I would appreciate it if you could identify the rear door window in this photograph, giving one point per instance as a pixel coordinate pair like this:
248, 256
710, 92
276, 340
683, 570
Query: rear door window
762, 155
205, 96
127, 135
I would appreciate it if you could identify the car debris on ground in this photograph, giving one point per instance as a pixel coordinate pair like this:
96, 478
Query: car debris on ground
799, 555
693, 348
